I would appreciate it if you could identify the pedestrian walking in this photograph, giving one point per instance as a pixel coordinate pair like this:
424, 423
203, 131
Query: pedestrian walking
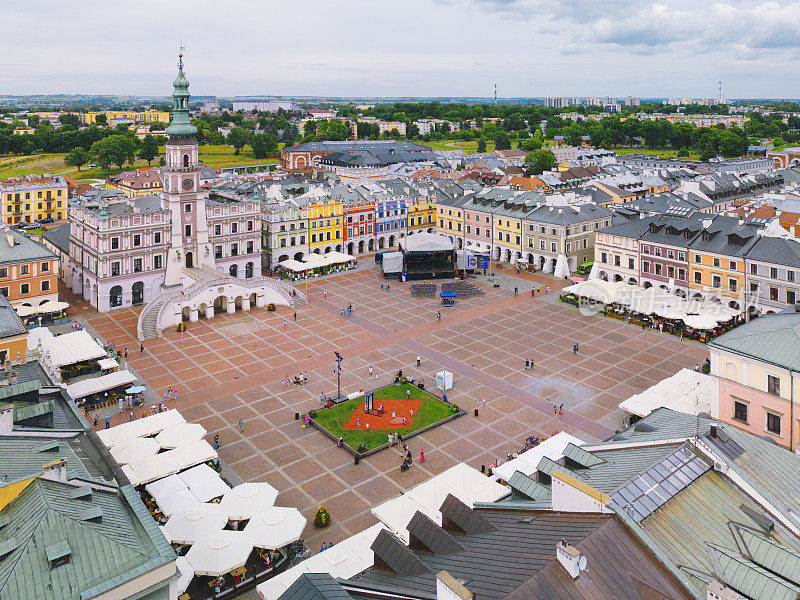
295, 315
305, 377
419, 360
141, 348
516, 290
538, 289
96, 416
532, 293
358, 422
325, 294
108, 421
575, 348
126, 354
216, 440
438, 315
422, 455
342, 312
555, 410
408, 392
241, 426
531, 364
132, 416
370, 370
527, 365
561, 410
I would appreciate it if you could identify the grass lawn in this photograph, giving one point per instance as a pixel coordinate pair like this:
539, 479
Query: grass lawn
430, 411
468, 147
662, 152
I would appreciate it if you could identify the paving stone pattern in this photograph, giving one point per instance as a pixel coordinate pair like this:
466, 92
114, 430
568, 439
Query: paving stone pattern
232, 367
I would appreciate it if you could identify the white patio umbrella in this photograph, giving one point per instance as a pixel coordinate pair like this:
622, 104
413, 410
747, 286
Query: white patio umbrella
204, 482
248, 499
195, 521
275, 527
186, 574
215, 556
174, 502
166, 486
134, 449
181, 434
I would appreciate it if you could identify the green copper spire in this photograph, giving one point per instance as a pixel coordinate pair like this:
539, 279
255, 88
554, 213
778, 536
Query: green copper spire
181, 125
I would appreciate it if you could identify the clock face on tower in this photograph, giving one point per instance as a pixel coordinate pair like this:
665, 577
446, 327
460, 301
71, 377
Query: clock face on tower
188, 184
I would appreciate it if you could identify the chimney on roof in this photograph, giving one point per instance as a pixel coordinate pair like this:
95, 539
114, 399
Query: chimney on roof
10, 238
450, 588
56, 470
570, 558
6, 419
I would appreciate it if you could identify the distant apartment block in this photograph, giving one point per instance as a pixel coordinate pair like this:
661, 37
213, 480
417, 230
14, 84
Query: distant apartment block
33, 197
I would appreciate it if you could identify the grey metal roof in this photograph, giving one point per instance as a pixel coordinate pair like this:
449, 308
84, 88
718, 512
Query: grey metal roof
516, 560
10, 323
660, 425
24, 249
315, 586
771, 338
45, 516
23, 456
427, 535
779, 251
59, 237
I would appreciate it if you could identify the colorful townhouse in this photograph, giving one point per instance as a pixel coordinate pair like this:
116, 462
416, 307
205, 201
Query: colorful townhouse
34, 197
325, 224
359, 221
422, 215
772, 273
664, 248
757, 367
28, 271
616, 251
716, 259
390, 217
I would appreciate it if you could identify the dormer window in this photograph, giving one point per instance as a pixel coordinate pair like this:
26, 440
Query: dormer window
58, 554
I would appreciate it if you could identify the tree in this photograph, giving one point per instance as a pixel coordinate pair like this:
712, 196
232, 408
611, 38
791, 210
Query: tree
310, 128
101, 120
263, 144
117, 149
237, 138
149, 149
540, 161
69, 119
76, 158
530, 144
481, 146
502, 142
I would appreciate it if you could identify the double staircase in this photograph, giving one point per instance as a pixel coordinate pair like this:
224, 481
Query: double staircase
147, 326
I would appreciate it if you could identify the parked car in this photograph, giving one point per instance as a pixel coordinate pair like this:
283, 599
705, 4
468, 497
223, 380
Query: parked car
47, 220
20, 225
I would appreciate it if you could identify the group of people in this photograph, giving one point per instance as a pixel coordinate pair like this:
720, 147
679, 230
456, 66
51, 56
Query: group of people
300, 379
407, 460
326, 547
538, 290
349, 310
385, 287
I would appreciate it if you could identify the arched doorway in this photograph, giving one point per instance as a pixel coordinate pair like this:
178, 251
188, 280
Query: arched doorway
220, 304
361, 247
115, 296
298, 256
238, 302
350, 248
618, 277
632, 281
541, 263
381, 242
391, 240
233, 270
603, 275
186, 312
189, 260
371, 245
137, 293
201, 310
248, 270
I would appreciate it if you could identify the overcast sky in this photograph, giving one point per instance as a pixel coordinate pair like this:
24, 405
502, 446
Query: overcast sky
409, 48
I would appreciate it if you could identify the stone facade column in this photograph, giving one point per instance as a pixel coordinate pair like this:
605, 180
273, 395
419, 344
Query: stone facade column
231, 306
246, 304
209, 311
194, 315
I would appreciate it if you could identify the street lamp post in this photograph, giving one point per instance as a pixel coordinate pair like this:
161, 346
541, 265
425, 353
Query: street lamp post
339, 360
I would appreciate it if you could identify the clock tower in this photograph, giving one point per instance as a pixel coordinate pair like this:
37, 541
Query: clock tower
181, 195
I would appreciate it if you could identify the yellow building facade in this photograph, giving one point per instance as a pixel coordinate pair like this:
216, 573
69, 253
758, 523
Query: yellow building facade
421, 215
716, 273
508, 231
451, 219
147, 116
33, 198
325, 223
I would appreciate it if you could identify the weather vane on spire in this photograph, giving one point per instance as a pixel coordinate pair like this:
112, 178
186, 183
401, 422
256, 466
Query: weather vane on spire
180, 56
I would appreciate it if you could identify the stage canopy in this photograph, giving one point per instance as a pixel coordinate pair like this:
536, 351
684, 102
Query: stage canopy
687, 391
425, 242
527, 462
